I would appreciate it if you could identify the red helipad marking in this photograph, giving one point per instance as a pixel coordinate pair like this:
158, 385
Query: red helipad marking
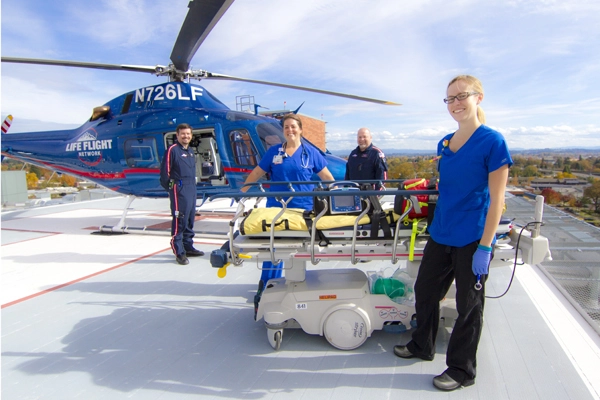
46, 234
90, 276
30, 230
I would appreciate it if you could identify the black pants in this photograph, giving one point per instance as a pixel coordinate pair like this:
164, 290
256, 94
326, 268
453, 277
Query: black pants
440, 266
183, 210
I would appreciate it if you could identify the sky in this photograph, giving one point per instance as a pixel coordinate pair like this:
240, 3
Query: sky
538, 60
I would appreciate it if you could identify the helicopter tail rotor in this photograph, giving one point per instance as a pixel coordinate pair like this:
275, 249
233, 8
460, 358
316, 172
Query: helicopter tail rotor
6, 124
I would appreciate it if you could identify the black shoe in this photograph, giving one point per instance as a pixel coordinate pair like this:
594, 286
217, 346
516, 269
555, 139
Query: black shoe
182, 259
194, 253
403, 352
445, 382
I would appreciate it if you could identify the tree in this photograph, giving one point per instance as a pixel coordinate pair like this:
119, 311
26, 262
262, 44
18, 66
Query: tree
36, 170
532, 161
551, 196
530, 170
592, 193
68, 180
405, 170
568, 200
515, 171
32, 180
564, 175
586, 165
426, 169
519, 161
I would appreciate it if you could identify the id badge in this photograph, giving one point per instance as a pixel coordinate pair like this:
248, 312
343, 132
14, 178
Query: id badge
278, 159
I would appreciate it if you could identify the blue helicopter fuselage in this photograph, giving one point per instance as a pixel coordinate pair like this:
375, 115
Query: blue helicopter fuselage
121, 148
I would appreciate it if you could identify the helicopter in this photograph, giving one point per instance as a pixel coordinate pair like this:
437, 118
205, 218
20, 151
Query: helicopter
121, 145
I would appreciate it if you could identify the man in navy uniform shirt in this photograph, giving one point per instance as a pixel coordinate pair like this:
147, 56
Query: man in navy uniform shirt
178, 177
366, 162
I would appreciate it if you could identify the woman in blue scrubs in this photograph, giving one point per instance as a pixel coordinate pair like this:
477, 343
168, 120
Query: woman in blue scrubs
473, 164
293, 160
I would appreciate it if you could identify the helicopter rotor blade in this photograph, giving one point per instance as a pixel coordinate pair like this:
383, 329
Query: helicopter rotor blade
210, 75
200, 20
114, 67
160, 70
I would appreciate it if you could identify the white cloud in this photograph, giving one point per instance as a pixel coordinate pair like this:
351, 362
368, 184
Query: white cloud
536, 59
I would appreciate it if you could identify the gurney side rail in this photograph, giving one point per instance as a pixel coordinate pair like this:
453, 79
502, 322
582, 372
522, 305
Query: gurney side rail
323, 195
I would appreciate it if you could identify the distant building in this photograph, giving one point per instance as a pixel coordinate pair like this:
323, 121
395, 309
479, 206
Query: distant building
567, 185
313, 129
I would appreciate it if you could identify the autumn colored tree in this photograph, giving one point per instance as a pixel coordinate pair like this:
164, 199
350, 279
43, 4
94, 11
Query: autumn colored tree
405, 170
586, 165
68, 180
32, 180
568, 200
592, 193
564, 175
551, 196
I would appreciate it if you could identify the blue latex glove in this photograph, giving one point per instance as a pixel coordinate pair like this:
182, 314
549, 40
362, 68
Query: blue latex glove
481, 260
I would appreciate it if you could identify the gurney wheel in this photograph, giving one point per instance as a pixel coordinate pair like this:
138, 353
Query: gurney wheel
275, 336
345, 329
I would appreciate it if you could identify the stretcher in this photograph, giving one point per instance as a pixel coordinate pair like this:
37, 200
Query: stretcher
338, 303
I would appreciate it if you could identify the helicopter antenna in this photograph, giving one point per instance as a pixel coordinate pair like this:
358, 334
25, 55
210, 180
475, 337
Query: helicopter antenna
298, 109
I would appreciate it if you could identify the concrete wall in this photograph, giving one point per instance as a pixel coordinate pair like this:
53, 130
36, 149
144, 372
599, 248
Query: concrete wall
14, 187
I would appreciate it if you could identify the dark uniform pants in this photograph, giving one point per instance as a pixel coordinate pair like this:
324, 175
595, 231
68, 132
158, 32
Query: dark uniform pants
440, 266
183, 209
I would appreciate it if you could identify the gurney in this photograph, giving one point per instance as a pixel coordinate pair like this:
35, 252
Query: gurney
339, 304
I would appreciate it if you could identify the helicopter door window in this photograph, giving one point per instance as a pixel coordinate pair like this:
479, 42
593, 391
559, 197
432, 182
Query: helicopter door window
271, 134
141, 153
244, 151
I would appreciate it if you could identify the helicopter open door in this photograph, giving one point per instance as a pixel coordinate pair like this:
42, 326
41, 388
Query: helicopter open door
244, 151
209, 167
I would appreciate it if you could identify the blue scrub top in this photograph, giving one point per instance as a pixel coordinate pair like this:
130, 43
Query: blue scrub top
306, 161
464, 199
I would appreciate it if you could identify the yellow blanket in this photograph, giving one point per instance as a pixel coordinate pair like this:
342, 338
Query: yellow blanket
259, 220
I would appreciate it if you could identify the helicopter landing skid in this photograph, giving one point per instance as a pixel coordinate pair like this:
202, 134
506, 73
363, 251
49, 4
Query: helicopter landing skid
120, 228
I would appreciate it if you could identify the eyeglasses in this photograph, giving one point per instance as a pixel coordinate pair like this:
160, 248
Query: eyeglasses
460, 96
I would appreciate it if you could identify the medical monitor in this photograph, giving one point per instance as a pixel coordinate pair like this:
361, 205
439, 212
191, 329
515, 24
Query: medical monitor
344, 204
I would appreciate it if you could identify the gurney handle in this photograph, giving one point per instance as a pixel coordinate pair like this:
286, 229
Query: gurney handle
400, 219
235, 257
284, 204
324, 193
313, 232
362, 214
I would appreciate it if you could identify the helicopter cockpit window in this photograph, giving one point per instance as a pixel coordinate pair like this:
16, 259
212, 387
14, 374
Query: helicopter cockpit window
270, 134
244, 151
141, 153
